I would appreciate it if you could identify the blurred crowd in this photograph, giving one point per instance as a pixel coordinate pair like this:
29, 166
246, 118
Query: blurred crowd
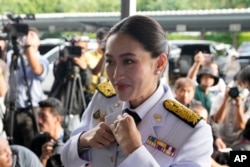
39, 121
39, 124
222, 101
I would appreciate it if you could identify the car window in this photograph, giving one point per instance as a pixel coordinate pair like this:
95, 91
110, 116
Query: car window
45, 48
53, 57
193, 49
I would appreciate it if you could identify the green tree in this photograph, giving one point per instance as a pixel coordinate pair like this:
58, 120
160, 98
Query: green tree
58, 6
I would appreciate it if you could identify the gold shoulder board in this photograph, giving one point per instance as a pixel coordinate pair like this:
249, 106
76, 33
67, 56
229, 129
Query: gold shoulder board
106, 89
185, 114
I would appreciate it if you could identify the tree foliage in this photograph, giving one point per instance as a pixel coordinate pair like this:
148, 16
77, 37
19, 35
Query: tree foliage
58, 6
63, 6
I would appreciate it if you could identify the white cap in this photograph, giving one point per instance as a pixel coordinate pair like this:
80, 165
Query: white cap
233, 53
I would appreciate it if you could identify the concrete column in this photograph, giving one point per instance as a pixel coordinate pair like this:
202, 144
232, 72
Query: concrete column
128, 8
202, 35
234, 39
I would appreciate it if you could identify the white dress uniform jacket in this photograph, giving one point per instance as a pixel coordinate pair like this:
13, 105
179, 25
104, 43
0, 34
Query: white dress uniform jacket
172, 135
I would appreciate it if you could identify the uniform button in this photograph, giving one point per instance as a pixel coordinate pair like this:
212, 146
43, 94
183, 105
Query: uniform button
117, 104
157, 117
97, 114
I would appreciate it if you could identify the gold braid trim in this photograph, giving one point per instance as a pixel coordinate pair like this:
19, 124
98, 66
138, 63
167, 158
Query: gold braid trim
185, 114
106, 89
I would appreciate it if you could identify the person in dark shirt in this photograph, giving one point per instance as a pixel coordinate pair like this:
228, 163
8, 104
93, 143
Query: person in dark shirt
49, 142
205, 78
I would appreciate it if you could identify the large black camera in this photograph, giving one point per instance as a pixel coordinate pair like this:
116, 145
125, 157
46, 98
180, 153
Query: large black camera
15, 28
56, 156
72, 51
234, 92
57, 149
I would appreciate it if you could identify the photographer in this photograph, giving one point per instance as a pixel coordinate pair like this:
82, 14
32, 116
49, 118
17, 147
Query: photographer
96, 60
72, 76
229, 112
48, 143
25, 84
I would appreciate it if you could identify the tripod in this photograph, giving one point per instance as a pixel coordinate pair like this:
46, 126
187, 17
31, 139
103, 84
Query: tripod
74, 98
11, 102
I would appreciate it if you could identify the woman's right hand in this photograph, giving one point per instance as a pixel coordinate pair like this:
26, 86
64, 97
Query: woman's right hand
98, 137
47, 151
126, 133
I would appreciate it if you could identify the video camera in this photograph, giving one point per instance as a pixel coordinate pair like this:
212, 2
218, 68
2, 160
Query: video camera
70, 51
57, 149
14, 27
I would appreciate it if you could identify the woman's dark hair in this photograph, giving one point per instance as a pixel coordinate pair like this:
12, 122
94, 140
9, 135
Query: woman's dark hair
146, 31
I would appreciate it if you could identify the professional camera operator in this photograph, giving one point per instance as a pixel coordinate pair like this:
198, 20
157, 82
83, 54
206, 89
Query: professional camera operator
25, 84
229, 112
72, 76
49, 142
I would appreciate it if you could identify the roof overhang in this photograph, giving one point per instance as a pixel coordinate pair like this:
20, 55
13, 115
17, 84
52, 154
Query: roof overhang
192, 20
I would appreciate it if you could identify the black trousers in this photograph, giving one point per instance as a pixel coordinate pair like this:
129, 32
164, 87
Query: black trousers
25, 126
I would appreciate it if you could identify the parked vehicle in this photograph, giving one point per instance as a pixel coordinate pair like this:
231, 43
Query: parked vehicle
244, 54
188, 48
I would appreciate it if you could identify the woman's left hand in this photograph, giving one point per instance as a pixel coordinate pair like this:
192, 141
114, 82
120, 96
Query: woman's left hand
126, 133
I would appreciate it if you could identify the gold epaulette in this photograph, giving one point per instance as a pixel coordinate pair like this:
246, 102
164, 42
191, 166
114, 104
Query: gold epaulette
185, 114
106, 89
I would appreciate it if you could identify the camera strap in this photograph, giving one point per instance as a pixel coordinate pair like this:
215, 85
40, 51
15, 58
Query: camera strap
30, 105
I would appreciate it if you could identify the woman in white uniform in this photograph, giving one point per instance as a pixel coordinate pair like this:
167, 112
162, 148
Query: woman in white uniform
161, 132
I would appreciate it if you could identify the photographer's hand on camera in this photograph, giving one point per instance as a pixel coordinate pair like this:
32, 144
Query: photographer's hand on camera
220, 115
239, 101
239, 107
32, 43
47, 151
81, 62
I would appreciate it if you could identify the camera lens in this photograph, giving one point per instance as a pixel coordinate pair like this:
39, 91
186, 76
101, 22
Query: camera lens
234, 92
